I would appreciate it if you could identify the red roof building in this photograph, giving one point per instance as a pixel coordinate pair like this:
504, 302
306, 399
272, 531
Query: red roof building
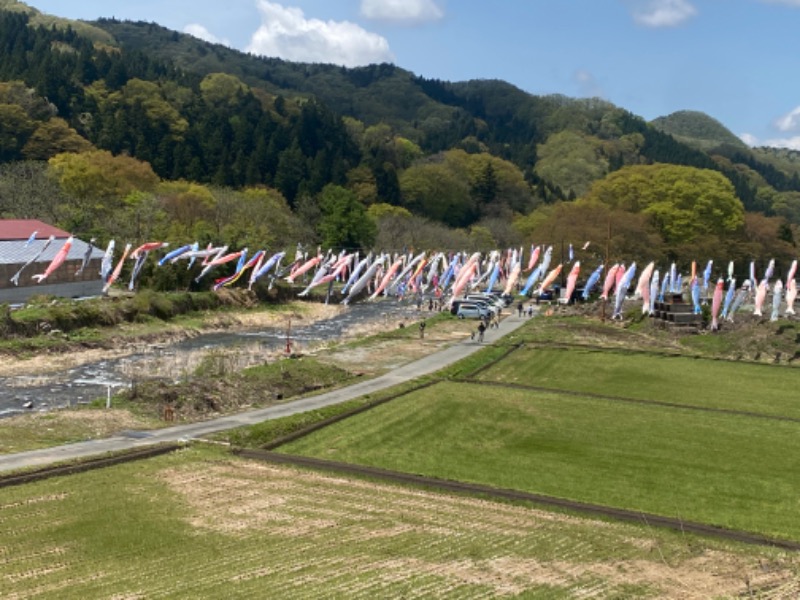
22, 256
21, 229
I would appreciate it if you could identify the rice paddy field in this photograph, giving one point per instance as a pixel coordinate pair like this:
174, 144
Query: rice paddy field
202, 524
720, 469
650, 430
669, 378
638, 425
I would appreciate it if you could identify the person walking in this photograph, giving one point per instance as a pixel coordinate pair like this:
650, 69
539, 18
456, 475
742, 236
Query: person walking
519, 309
422, 330
481, 330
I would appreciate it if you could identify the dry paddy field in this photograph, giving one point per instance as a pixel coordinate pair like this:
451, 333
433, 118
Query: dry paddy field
202, 524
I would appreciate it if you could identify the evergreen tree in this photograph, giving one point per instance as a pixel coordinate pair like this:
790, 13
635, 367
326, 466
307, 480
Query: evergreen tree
484, 190
291, 172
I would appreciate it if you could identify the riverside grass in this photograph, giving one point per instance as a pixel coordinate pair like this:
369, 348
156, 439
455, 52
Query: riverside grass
199, 523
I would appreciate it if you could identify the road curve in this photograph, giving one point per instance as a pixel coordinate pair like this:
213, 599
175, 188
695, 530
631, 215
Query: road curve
424, 366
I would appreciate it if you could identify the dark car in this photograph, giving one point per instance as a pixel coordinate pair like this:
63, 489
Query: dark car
549, 294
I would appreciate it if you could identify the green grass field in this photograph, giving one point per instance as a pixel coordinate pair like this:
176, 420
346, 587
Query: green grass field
201, 524
756, 388
729, 470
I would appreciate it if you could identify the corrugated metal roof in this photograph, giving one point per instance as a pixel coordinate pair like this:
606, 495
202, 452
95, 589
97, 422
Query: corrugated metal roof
16, 253
21, 229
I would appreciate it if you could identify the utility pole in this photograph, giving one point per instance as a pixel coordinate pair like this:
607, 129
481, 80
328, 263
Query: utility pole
288, 336
605, 270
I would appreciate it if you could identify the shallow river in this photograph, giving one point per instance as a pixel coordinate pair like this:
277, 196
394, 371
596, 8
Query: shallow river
88, 382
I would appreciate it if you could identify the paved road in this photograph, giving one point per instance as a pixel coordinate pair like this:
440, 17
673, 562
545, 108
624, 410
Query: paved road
423, 366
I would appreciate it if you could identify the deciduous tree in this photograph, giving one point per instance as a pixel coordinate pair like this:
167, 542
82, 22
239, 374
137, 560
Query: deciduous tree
52, 137
436, 192
344, 223
681, 203
571, 160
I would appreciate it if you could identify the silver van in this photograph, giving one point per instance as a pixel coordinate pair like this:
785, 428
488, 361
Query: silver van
472, 310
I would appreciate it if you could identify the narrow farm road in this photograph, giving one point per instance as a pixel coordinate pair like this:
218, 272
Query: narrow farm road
424, 366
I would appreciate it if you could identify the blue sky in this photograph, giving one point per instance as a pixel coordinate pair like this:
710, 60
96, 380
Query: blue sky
736, 60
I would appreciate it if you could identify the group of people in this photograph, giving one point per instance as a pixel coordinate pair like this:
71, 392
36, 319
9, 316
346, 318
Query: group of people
521, 310
434, 304
494, 321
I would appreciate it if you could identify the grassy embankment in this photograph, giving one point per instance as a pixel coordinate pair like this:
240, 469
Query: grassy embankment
52, 324
199, 523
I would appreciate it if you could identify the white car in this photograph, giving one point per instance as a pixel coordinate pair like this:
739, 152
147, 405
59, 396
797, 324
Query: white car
489, 303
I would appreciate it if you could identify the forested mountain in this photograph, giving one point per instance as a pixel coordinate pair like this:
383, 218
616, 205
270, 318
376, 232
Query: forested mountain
434, 114
697, 129
476, 156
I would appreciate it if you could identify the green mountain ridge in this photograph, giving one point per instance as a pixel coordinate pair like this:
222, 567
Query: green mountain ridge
697, 128
504, 119
38, 18
436, 114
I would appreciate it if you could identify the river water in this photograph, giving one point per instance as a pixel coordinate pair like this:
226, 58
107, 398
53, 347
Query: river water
176, 361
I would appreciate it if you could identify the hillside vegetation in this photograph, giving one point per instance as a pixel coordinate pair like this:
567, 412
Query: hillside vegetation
696, 128
232, 148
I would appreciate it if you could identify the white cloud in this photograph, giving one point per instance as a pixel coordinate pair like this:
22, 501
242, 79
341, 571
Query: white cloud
749, 139
790, 121
662, 13
588, 85
792, 143
286, 33
788, 124
201, 32
404, 11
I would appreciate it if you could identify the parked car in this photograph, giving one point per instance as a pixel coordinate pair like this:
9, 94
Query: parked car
459, 301
550, 294
471, 310
454, 304
487, 304
487, 299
